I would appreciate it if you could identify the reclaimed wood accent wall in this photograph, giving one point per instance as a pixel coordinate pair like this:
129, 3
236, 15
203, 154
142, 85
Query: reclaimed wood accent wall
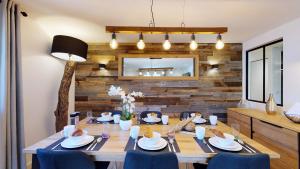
213, 93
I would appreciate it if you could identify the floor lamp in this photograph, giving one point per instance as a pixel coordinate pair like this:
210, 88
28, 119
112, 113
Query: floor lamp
72, 50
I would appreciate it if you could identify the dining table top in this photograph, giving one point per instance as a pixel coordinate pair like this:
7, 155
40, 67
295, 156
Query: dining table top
113, 149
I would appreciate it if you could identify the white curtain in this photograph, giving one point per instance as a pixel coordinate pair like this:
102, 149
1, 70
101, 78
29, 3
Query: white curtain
11, 107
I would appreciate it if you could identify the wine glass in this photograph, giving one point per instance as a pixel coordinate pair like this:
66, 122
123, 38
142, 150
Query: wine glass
105, 131
89, 116
235, 130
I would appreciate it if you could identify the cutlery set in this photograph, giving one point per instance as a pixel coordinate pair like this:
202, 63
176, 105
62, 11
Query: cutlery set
92, 146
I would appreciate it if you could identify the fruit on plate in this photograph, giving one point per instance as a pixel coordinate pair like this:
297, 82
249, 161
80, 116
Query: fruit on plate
78, 132
217, 133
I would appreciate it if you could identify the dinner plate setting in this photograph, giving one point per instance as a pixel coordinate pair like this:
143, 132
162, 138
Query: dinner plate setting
226, 143
144, 144
152, 120
75, 142
105, 119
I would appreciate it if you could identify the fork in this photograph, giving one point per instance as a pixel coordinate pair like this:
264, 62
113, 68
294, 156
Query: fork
246, 146
208, 145
171, 141
135, 142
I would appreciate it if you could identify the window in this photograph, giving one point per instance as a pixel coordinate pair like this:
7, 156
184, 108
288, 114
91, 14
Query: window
264, 72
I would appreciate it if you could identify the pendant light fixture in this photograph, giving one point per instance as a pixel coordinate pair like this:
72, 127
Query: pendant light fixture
113, 43
193, 43
141, 44
167, 43
219, 43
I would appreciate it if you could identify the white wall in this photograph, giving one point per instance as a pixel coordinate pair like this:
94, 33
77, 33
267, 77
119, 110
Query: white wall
42, 74
290, 32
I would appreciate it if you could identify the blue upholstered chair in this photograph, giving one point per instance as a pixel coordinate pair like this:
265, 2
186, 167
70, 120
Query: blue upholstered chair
186, 114
67, 160
237, 161
144, 113
150, 160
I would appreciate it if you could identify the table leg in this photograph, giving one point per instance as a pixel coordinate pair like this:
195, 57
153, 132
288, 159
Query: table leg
35, 162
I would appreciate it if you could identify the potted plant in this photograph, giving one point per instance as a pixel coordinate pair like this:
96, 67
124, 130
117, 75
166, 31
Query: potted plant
128, 105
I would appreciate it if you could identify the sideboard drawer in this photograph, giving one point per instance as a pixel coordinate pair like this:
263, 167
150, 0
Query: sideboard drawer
281, 140
242, 120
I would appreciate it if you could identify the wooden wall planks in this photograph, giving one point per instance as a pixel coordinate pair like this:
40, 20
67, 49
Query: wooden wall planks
213, 93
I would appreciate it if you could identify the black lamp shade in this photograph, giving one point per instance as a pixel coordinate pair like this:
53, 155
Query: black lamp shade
69, 48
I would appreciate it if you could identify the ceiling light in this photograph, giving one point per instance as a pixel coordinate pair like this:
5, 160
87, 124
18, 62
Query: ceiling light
166, 44
113, 43
140, 73
171, 72
141, 44
193, 43
220, 43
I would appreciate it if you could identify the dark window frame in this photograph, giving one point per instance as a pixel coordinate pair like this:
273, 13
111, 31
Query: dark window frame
264, 71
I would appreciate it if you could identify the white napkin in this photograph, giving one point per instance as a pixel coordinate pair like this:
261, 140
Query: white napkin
295, 109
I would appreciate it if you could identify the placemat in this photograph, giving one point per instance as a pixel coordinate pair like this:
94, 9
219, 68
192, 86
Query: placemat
94, 121
206, 149
92, 146
130, 146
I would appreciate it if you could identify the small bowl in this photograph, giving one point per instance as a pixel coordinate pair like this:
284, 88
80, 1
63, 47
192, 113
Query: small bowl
293, 117
153, 140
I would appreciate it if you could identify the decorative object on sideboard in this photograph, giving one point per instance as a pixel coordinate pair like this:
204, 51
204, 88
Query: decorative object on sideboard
271, 105
128, 105
243, 104
293, 113
72, 50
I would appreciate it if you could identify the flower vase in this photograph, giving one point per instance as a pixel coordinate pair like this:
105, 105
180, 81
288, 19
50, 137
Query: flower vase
271, 105
125, 124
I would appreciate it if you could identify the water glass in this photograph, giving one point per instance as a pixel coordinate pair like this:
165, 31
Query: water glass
89, 115
213, 120
165, 119
200, 132
235, 130
134, 132
105, 131
116, 118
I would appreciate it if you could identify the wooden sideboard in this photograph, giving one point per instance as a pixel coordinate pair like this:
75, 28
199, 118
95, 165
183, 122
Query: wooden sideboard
273, 131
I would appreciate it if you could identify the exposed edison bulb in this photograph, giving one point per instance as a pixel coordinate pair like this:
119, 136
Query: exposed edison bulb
167, 43
219, 43
193, 43
113, 43
140, 73
141, 44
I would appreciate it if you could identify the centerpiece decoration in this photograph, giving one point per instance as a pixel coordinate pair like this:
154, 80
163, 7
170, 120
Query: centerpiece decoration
128, 105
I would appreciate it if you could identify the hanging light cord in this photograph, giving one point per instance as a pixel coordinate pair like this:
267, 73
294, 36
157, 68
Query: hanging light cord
152, 21
183, 14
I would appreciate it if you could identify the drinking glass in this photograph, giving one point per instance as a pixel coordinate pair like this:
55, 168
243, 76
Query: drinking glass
89, 115
235, 130
105, 131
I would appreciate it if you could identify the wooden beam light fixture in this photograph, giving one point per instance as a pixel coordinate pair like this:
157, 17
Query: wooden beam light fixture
163, 30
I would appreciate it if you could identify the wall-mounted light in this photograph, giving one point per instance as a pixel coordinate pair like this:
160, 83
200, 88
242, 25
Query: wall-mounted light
215, 67
193, 43
141, 44
140, 73
102, 66
167, 43
219, 43
113, 43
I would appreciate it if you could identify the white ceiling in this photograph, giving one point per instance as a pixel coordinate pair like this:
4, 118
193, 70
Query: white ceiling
86, 18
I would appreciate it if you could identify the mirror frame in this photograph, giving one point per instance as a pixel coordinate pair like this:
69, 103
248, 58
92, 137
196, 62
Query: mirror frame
122, 56
264, 71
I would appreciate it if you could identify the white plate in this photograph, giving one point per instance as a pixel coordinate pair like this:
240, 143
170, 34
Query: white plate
235, 146
71, 143
162, 143
199, 120
105, 119
152, 120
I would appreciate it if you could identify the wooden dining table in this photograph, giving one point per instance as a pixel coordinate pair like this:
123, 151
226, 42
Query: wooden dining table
113, 149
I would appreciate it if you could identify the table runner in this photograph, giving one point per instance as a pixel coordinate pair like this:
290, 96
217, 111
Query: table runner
56, 145
206, 149
130, 146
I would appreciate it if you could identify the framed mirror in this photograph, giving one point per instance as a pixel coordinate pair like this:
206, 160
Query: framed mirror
264, 72
158, 66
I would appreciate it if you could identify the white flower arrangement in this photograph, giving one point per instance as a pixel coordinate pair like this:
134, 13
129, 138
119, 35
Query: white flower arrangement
128, 104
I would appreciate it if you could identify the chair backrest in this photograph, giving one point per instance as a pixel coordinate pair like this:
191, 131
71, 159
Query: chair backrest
186, 114
64, 160
236, 161
150, 160
144, 113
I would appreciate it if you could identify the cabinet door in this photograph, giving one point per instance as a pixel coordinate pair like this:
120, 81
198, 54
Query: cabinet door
280, 140
242, 120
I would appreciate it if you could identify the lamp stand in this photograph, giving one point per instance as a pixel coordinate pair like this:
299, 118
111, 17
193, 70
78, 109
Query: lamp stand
61, 112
